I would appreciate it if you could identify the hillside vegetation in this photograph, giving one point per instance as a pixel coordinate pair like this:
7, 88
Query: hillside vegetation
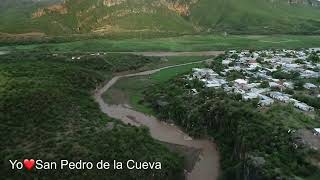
256, 16
47, 113
164, 16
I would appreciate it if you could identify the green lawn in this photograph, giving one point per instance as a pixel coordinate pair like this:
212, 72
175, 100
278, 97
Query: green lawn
131, 90
169, 61
182, 43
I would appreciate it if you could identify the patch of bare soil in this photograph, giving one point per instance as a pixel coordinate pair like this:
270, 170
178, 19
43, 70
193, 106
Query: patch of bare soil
29, 34
309, 139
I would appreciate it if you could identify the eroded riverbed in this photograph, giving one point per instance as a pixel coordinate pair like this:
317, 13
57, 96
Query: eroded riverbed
207, 168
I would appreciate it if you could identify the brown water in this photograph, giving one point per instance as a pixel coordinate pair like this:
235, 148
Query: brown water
207, 168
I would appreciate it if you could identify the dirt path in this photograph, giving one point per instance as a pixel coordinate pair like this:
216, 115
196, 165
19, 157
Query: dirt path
3, 52
162, 54
207, 168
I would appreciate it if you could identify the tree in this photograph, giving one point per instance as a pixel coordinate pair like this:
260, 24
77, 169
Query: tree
314, 58
299, 85
235, 56
299, 61
264, 84
260, 60
233, 75
217, 66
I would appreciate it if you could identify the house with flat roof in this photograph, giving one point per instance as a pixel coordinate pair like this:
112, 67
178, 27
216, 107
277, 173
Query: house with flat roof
279, 96
303, 106
309, 86
249, 96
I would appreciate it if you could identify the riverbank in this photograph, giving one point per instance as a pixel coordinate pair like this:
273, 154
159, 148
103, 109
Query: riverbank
207, 168
130, 90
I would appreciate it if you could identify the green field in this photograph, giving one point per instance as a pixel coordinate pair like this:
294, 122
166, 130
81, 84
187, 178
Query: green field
131, 90
182, 43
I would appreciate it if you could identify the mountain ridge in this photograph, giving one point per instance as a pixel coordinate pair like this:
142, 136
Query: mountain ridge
179, 16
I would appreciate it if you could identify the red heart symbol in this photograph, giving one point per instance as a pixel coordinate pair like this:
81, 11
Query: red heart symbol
29, 163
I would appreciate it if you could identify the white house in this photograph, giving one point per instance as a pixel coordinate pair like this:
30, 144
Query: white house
275, 85
226, 62
249, 96
314, 49
199, 73
265, 100
303, 106
232, 51
241, 84
279, 96
241, 81
316, 131
194, 91
288, 85
309, 74
309, 86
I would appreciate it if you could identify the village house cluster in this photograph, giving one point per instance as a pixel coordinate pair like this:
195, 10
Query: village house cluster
258, 70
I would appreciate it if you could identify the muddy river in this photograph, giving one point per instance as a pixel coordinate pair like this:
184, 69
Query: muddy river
206, 168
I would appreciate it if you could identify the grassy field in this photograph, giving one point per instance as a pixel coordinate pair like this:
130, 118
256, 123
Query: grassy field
131, 90
182, 43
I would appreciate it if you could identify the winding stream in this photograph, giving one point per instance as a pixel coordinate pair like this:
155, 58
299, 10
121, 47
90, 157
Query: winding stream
206, 168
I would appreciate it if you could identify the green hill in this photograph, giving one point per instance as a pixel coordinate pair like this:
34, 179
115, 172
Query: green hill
163, 16
256, 16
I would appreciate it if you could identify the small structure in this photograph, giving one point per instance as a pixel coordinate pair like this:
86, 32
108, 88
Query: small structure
226, 62
274, 85
303, 106
314, 49
249, 96
241, 81
316, 131
194, 91
309, 74
290, 66
238, 91
200, 73
214, 84
265, 100
288, 85
280, 96
309, 86
232, 51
